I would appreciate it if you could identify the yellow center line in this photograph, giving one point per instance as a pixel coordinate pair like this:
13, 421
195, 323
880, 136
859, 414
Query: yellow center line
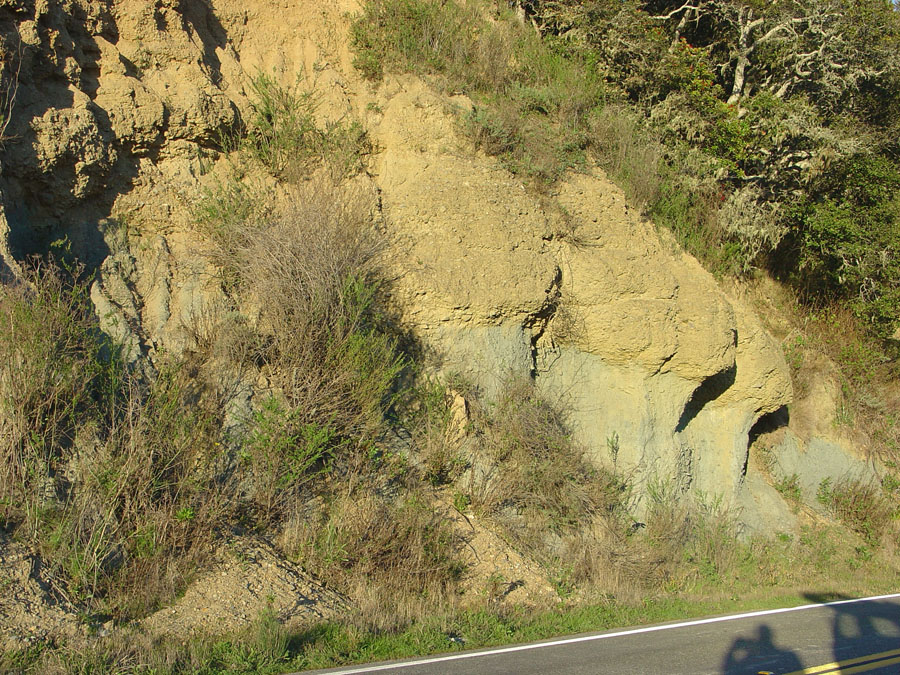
838, 666
869, 666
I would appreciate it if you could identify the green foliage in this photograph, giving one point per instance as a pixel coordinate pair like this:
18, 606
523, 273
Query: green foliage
282, 129
850, 245
789, 487
283, 136
284, 452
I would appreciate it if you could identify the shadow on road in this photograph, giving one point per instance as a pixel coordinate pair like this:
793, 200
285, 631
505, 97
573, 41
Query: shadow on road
861, 628
752, 655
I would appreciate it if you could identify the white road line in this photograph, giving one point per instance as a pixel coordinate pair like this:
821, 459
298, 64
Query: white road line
602, 636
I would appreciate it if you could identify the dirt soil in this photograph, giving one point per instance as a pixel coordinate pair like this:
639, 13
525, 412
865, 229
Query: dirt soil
32, 610
248, 577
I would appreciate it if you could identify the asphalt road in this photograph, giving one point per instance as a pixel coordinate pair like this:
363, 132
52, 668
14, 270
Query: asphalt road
845, 636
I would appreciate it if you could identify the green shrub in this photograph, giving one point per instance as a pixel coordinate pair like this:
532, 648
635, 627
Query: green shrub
52, 382
690, 537
283, 136
284, 453
282, 130
850, 240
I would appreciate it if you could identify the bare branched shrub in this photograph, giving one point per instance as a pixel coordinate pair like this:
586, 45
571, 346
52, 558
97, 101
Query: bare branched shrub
528, 460
313, 273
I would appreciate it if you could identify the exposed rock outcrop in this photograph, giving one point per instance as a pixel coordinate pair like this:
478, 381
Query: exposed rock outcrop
633, 336
120, 111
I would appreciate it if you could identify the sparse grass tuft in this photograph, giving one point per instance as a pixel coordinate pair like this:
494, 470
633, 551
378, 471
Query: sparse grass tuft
860, 505
283, 136
789, 487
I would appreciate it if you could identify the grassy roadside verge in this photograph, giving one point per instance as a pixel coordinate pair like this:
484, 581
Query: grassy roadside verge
266, 648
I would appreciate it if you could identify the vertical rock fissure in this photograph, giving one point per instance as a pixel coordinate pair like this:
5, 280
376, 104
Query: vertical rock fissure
540, 320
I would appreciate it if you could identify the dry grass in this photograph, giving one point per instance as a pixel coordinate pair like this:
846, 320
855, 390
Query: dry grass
48, 374
103, 471
532, 103
393, 555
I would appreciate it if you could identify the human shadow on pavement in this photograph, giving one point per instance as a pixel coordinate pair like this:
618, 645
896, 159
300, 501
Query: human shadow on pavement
861, 628
759, 654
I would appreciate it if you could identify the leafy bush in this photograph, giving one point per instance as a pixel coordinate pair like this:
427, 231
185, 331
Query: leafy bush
284, 453
850, 240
